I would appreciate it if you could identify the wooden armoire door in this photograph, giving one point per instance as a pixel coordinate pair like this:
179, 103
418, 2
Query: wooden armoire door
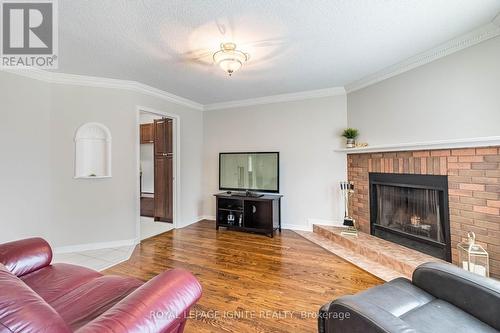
163, 170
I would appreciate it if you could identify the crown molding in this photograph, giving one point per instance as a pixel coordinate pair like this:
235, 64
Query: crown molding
335, 91
488, 31
496, 20
101, 82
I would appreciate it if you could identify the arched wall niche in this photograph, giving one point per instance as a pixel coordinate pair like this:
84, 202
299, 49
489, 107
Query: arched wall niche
92, 151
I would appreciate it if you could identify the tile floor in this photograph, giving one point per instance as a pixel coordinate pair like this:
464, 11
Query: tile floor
104, 258
96, 259
151, 228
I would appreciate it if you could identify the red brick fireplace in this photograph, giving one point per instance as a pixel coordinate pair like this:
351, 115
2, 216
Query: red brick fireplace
473, 187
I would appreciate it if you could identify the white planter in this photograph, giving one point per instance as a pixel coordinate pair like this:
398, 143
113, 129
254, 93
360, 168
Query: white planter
350, 143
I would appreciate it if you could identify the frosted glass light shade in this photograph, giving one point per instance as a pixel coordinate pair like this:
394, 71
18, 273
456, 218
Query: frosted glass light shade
230, 66
229, 59
93, 151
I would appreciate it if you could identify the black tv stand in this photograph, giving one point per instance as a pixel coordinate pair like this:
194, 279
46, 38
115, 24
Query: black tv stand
249, 213
246, 194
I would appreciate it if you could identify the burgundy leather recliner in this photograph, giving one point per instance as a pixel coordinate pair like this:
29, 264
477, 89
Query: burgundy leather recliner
37, 296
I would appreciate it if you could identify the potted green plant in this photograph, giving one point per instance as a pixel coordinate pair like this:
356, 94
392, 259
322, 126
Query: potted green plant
350, 134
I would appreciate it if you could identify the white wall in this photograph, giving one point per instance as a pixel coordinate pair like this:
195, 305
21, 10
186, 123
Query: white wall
147, 167
39, 195
451, 98
25, 163
304, 132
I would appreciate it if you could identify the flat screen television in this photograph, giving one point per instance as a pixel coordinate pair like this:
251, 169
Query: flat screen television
254, 171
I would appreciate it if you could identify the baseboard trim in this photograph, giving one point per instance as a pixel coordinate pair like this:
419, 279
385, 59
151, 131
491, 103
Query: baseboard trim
205, 217
312, 221
195, 220
95, 246
300, 227
309, 226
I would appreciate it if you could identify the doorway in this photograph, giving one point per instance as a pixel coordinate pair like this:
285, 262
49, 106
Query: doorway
158, 171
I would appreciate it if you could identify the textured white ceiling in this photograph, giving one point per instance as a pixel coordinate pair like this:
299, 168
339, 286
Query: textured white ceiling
294, 45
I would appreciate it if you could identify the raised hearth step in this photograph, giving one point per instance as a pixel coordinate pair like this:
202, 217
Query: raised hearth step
370, 266
382, 258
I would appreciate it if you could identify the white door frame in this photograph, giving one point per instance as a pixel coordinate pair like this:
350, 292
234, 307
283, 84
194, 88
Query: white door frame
177, 163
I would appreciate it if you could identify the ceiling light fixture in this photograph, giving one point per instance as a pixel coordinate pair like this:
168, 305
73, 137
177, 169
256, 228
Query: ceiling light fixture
229, 58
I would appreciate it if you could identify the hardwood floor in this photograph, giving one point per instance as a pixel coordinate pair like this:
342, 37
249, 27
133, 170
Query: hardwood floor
251, 283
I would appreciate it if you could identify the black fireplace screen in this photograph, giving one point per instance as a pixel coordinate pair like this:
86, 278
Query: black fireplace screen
411, 210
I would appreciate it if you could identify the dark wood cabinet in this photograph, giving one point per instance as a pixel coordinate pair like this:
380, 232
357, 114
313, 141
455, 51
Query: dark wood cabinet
250, 214
147, 206
163, 170
163, 205
163, 136
147, 133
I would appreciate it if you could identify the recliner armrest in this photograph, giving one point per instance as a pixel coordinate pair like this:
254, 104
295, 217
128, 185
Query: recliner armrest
349, 314
160, 305
26, 255
477, 295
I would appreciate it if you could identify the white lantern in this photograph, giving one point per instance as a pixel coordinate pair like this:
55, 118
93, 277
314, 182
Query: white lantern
473, 257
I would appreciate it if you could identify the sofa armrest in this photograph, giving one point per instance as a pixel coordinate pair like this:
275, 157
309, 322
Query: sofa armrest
26, 255
160, 305
477, 295
349, 314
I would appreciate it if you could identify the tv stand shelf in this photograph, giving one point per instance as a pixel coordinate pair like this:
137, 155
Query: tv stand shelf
250, 214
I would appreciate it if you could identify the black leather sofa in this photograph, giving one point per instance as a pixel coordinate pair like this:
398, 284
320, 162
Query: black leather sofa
440, 298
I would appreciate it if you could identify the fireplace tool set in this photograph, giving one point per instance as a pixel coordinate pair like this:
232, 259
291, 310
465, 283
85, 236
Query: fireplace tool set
347, 189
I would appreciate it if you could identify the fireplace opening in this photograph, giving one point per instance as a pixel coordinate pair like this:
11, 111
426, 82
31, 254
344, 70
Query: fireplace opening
411, 210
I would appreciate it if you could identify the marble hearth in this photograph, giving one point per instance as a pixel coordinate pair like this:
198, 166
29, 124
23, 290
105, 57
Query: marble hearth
379, 257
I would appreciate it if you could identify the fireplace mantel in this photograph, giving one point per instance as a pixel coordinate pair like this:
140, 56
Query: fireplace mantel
427, 145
